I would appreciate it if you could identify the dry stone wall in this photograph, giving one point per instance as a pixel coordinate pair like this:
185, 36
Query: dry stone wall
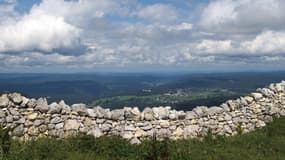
31, 118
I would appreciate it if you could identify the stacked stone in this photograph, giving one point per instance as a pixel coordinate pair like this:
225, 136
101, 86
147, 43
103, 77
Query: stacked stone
33, 118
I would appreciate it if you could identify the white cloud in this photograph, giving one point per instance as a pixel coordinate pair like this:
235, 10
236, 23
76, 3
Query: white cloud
267, 42
158, 12
83, 11
40, 32
180, 27
8, 1
36, 58
214, 46
129, 33
243, 15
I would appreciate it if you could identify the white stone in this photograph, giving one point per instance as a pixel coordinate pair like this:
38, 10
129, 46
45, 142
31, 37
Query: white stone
32, 116
71, 124
257, 96
4, 101
91, 113
95, 132
190, 115
191, 131
148, 114
79, 108
54, 108
16, 98
140, 133
161, 112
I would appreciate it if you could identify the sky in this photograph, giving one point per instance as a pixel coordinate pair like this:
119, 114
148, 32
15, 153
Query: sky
141, 35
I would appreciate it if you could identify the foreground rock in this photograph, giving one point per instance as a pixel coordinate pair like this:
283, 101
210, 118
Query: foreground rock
33, 118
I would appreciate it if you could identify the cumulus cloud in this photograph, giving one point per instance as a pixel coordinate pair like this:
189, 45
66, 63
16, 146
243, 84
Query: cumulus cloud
243, 15
158, 12
54, 24
38, 32
267, 42
211, 46
81, 12
87, 34
8, 1
180, 27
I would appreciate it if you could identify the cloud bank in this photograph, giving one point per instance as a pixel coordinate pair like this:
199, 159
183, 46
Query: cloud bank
92, 35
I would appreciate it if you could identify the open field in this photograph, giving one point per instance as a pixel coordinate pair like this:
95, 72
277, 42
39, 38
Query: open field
186, 102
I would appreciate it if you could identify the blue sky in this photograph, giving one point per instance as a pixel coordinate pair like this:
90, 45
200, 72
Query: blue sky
141, 35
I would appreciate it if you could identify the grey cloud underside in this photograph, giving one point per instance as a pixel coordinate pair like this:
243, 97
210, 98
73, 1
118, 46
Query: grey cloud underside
95, 34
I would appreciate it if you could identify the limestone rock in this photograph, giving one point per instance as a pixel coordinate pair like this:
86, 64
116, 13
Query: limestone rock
243, 101
129, 128
215, 110
19, 130
173, 115
140, 133
32, 116
38, 122
118, 114
65, 109
56, 120
54, 108
228, 129
80, 109
226, 107
161, 112
146, 126
14, 111
25, 101
127, 135
257, 96
268, 119
135, 141
191, 131
2, 114
91, 113
4, 101
32, 103
107, 114
278, 87
132, 113
33, 131
260, 124
248, 99
71, 124
228, 117
233, 105
200, 110
21, 120
164, 123
178, 132
99, 111
16, 98
163, 133
266, 92
282, 112
59, 126
9, 119
95, 132
273, 110
42, 105
148, 114
181, 115
106, 127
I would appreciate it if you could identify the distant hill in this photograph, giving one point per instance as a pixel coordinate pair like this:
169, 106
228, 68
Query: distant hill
87, 88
